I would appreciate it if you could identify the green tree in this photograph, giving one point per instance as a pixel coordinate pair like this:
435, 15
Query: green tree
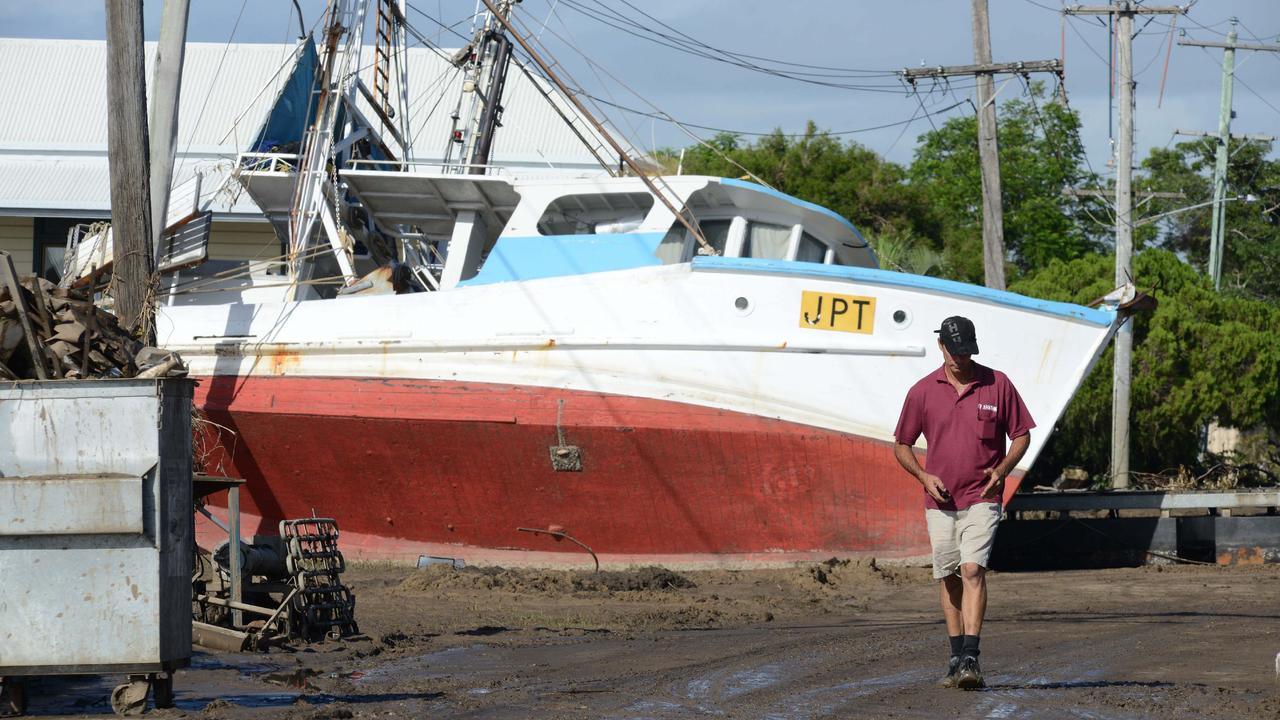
1040, 154
1200, 356
845, 177
1252, 244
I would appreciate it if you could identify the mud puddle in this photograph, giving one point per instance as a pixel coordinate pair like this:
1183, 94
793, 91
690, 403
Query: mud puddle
837, 639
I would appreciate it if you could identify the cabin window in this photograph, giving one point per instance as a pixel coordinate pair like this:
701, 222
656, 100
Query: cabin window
766, 240
671, 249
595, 214
716, 233
678, 246
811, 249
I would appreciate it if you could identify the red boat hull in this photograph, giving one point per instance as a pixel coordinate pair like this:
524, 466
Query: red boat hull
417, 466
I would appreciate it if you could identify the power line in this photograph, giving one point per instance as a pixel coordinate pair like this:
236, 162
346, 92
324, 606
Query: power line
850, 71
1242, 82
1086, 42
611, 18
666, 118
1042, 6
1257, 94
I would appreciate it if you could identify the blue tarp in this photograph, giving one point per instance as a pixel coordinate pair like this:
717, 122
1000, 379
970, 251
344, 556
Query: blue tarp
294, 107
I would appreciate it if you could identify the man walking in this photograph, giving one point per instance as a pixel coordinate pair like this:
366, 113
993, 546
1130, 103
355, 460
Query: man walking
965, 411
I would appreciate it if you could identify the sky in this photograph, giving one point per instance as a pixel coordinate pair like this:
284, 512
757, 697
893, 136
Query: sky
852, 42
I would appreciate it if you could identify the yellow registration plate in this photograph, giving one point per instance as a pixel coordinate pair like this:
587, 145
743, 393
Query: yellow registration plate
828, 311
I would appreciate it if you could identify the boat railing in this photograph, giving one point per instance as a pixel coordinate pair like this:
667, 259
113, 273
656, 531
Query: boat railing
267, 162
288, 162
433, 166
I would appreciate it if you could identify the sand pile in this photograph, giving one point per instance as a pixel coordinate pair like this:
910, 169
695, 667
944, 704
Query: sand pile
544, 582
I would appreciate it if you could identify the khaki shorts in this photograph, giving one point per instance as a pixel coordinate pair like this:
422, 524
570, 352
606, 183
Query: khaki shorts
961, 536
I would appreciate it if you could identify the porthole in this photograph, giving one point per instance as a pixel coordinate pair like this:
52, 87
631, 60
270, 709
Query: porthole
742, 306
901, 318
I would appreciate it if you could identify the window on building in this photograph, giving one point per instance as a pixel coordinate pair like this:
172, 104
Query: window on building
49, 245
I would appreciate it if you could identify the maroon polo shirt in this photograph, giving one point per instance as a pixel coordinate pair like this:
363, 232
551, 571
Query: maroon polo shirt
965, 430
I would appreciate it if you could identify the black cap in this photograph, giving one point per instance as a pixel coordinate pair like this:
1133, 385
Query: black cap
958, 336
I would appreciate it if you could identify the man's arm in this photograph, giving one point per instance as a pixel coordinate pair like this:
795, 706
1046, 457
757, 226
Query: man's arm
997, 474
932, 485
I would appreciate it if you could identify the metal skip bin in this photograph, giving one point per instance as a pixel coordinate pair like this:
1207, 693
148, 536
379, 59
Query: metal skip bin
96, 534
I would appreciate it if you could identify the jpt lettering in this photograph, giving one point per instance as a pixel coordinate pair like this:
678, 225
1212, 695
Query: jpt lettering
861, 304
839, 306
817, 316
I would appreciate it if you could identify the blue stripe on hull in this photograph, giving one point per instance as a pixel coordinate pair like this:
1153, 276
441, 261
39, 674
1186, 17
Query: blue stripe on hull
915, 282
542, 256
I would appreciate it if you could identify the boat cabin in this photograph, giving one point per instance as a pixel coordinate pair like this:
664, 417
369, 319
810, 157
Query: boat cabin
463, 231
515, 231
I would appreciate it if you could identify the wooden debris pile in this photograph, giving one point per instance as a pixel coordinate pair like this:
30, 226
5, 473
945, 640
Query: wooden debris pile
48, 332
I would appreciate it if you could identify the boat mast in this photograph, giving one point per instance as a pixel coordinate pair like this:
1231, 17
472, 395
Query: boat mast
313, 194
492, 116
657, 186
486, 59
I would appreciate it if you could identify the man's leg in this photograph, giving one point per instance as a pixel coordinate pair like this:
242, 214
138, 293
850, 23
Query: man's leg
952, 604
946, 558
976, 527
973, 578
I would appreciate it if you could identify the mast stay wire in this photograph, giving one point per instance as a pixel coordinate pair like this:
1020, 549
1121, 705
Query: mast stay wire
191, 138
664, 115
683, 214
441, 53
684, 125
573, 84
660, 114
572, 43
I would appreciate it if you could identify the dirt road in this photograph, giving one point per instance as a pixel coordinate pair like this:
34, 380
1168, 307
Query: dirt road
847, 640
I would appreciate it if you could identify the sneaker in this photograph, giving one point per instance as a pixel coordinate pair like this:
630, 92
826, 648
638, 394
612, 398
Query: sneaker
953, 671
969, 676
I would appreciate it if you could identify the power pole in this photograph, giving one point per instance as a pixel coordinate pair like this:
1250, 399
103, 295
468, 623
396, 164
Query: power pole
989, 155
1218, 226
164, 111
127, 150
1124, 10
988, 147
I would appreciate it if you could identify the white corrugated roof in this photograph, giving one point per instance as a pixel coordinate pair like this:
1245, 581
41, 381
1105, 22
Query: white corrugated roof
53, 131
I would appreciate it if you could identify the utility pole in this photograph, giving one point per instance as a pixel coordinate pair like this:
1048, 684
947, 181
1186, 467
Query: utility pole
989, 155
127, 150
1124, 11
164, 111
1218, 225
988, 147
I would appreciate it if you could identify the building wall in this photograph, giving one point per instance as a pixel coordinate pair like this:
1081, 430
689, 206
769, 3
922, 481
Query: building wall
227, 241
15, 239
243, 241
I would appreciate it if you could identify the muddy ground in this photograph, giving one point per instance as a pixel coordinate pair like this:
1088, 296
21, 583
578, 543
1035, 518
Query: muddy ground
846, 640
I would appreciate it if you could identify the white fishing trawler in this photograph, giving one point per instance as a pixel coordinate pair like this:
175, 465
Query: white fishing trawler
680, 369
